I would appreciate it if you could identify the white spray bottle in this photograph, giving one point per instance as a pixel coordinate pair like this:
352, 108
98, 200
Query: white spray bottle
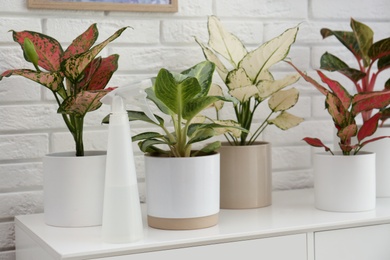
122, 217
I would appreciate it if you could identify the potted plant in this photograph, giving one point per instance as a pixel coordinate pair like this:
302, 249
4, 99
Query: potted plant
73, 187
182, 181
345, 180
246, 170
367, 53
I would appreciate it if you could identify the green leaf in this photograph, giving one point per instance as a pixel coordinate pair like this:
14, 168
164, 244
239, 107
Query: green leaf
152, 96
146, 135
330, 62
380, 49
202, 134
203, 72
283, 100
268, 54
267, 88
175, 95
138, 115
30, 53
285, 120
195, 106
148, 145
364, 37
225, 43
210, 148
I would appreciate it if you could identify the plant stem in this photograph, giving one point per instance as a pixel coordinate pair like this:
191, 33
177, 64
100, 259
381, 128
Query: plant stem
78, 134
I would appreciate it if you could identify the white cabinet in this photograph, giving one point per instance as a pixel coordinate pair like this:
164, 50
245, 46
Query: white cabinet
289, 229
362, 243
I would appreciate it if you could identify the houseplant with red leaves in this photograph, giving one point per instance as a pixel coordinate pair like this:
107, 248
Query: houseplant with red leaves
367, 53
343, 108
76, 76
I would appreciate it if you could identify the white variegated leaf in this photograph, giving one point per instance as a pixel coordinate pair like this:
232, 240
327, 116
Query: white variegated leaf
268, 54
224, 42
243, 94
237, 79
283, 100
211, 56
268, 87
234, 131
285, 120
216, 90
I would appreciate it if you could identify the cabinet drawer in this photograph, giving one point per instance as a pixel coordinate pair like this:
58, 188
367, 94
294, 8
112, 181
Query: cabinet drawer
292, 247
361, 243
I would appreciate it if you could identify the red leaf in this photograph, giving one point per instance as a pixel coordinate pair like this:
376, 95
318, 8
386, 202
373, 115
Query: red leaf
48, 49
310, 80
373, 140
335, 109
337, 89
82, 43
315, 142
370, 100
102, 73
369, 127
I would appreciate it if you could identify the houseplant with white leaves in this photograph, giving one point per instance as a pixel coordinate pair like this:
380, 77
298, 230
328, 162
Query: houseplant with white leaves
248, 80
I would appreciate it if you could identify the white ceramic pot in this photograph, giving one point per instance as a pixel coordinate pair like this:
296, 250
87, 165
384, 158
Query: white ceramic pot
344, 183
74, 189
182, 193
381, 148
246, 176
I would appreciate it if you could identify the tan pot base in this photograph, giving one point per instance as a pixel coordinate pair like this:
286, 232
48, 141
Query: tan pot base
183, 223
246, 176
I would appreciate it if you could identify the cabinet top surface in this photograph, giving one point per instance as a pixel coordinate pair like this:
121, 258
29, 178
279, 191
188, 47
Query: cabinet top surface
291, 212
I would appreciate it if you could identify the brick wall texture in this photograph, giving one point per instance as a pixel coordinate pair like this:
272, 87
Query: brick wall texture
30, 127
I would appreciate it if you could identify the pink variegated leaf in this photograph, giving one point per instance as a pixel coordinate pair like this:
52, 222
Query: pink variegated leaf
309, 79
370, 100
345, 134
337, 89
48, 49
315, 142
347, 148
102, 73
82, 43
369, 127
336, 109
84, 102
74, 66
51, 80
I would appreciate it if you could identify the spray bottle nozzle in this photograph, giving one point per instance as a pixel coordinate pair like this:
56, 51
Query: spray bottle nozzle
133, 94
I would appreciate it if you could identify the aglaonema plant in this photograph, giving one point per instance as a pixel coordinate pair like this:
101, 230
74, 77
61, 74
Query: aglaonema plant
367, 54
181, 97
343, 108
249, 81
76, 77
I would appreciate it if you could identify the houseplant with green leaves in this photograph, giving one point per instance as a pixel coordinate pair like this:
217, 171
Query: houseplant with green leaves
182, 181
73, 183
248, 80
346, 180
76, 76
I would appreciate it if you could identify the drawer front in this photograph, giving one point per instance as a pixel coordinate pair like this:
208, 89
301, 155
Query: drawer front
361, 243
292, 247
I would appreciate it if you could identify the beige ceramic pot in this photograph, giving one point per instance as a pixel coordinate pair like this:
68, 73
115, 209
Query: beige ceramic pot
246, 176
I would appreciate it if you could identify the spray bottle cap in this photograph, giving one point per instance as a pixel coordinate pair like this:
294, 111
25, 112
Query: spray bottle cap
133, 94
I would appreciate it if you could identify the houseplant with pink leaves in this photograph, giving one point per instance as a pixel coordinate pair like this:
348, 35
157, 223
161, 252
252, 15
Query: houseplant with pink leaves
77, 77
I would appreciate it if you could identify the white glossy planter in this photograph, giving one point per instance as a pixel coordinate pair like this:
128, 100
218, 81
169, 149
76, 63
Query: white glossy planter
381, 148
344, 183
182, 193
74, 189
246, 176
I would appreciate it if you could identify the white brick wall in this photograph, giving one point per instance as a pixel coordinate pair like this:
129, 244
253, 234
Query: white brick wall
30, 128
